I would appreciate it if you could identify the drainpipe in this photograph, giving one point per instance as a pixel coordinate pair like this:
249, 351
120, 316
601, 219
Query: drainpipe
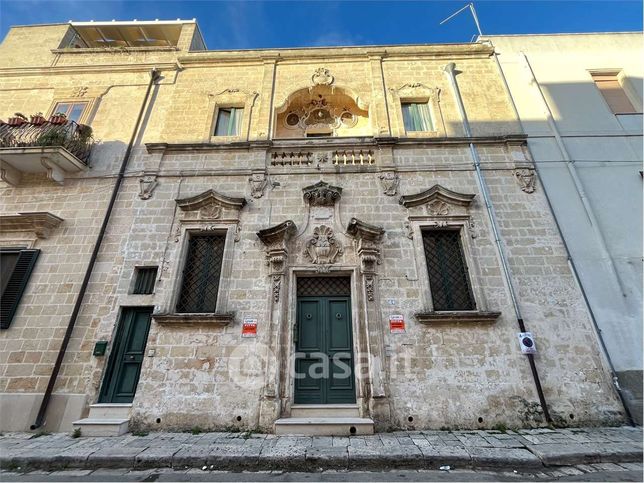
571, 261
449, 69
570, 164
40, 419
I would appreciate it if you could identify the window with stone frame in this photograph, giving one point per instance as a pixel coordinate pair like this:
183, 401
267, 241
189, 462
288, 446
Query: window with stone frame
416, 116
202, 273
229, 121
449, 279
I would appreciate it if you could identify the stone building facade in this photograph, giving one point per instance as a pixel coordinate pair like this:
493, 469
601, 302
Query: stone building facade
279, 207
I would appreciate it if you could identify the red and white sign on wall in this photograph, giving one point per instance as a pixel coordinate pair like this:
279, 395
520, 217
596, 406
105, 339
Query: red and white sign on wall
396, 324
249, 327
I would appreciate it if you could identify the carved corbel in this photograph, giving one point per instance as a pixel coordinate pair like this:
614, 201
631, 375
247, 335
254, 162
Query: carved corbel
54, 173
9, 174
368, 238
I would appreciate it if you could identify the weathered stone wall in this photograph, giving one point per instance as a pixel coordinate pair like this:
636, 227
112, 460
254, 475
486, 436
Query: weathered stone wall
209, 377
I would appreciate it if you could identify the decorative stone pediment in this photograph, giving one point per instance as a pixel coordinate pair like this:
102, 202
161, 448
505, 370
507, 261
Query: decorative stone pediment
416, 91
438, 201
40, 223
322, 194
211, 205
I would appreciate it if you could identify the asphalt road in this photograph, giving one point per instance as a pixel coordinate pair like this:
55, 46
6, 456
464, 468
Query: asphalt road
166, 475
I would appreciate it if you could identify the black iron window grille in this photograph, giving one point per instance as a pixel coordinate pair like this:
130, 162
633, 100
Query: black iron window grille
323, 286
201, 274
448, 275
144, 280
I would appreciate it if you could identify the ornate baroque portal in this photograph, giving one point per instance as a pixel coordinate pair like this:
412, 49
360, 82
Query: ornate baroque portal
325, 246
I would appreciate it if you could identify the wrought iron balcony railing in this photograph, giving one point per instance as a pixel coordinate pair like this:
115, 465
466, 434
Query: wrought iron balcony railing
75, 138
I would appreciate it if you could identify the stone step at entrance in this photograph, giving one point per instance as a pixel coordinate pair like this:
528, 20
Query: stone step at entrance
109, 410
336, 426
325, 411
102, 427
105, 419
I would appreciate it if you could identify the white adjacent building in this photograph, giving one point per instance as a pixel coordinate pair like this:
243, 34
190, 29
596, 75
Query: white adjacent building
579, 99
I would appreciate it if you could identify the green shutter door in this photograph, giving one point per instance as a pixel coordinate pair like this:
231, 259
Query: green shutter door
324, 362
124, 368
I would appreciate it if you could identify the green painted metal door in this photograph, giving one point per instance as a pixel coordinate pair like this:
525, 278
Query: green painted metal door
324, 351
124, 368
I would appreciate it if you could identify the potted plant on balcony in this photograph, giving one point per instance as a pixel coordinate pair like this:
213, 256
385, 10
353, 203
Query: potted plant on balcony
58, 118
17, 120
37, 119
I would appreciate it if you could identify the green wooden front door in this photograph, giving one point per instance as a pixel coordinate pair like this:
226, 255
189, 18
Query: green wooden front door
324, 351
122, 375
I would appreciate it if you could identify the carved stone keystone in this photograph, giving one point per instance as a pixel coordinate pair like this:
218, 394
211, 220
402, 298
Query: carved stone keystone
322, 194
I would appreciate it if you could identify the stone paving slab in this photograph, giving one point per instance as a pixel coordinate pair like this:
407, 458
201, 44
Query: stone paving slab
419, 450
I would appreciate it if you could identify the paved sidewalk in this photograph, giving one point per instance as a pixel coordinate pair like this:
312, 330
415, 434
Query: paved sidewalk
524, 450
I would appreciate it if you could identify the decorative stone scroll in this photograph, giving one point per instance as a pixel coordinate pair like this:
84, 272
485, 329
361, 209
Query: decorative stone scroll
322, 77
276, 239
368, 238
389, 181
526, 178
258, 182
322, 194
147, 185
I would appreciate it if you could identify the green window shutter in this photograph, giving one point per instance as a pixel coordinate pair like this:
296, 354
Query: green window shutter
16, 286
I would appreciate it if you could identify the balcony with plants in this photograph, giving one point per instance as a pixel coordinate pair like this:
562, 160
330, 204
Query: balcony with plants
54, 146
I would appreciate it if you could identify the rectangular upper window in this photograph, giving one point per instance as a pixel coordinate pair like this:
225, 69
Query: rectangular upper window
229, 121
73, 110
416, 116
613, 92
16, 265
448, 276
144, 280
201, 274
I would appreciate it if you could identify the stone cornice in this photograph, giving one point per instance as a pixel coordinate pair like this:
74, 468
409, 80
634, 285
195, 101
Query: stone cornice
87, 69
392, 52
38, 222
307, 143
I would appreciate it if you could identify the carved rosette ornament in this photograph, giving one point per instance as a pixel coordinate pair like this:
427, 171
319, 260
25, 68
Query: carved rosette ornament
526, 178
276, 241
389, 181
368, 238
147, 184
258, 182
322, 248
322, 194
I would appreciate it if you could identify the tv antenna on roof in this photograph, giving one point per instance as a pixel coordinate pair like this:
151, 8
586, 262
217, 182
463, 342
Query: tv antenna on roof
473, 10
